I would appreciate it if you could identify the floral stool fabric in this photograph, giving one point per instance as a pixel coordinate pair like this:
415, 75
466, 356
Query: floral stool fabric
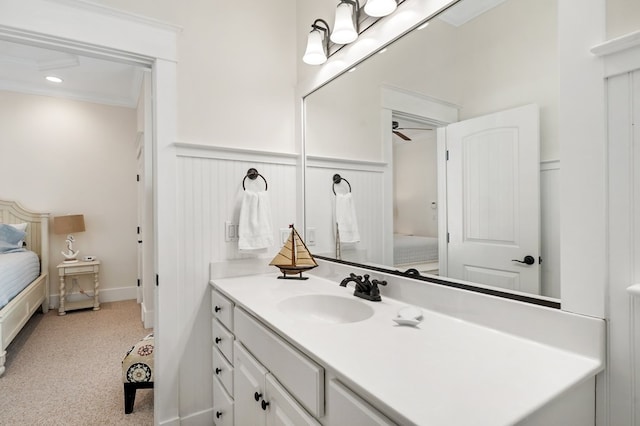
137, 370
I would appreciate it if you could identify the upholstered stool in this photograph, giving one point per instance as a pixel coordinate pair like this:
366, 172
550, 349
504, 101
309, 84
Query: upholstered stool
137, 370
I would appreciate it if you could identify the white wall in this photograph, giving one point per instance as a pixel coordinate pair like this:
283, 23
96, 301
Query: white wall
415, 186
61, 157
236, 65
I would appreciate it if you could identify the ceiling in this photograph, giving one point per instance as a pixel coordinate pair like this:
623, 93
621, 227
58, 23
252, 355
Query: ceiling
23, 69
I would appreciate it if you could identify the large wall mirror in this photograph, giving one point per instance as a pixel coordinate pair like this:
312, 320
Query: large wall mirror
446, 152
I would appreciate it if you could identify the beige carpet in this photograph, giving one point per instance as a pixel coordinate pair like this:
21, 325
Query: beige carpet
65, 370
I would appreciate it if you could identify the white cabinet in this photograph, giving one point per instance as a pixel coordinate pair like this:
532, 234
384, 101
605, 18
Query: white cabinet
259, 398
347, 408
260, 379
222, 337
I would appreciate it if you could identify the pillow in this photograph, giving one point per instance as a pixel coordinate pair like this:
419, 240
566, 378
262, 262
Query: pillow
20, 227
11, 235
6, 247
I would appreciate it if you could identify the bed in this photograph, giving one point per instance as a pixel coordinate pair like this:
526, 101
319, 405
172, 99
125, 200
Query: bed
21, 306
411, 250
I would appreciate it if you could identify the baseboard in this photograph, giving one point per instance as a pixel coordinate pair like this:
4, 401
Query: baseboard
204, 417
106, 295
148, 316
171, 422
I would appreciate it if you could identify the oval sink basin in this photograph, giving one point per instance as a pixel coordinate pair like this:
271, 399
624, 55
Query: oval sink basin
324, 308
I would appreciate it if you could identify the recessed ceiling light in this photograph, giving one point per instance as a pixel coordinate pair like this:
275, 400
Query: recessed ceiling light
53, 79
423, 25
383, 50
352, 69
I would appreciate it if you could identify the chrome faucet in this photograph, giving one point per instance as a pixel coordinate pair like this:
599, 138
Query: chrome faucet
365, 289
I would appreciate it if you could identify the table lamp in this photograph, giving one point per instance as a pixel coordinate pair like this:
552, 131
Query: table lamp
69, 224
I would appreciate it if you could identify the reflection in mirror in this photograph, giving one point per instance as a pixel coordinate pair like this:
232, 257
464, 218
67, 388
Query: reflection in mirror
479, 86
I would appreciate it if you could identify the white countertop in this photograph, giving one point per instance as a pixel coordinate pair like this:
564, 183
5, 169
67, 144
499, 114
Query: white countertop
445, 371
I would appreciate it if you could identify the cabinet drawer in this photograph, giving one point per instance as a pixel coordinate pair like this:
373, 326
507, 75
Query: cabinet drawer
222, 405
345, 407
79, 270
222, 339
223, 369
222, 308
302, 377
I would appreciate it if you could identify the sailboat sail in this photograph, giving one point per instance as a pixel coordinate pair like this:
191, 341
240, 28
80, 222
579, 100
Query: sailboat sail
294, 257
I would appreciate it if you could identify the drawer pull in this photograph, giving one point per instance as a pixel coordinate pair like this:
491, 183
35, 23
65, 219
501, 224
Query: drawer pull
257, 396
218, 370
217, 309
264, 404
218, 414
218, 339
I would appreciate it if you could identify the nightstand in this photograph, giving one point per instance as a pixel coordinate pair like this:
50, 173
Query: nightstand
78, 268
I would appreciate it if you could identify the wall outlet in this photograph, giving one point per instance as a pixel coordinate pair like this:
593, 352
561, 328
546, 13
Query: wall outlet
284, 235
230, 231
311, 237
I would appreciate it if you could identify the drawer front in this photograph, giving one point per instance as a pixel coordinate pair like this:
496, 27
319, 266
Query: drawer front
302, 377
345, 407
222, 339
222, 405
223, 369
79, 270
222, 308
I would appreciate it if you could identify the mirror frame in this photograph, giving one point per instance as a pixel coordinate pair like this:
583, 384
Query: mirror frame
349, 58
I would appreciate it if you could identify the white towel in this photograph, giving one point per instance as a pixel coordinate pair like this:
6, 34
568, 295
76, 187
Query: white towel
346, 218
254, 230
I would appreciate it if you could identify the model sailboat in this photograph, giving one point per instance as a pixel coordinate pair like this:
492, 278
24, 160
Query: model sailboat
294, 257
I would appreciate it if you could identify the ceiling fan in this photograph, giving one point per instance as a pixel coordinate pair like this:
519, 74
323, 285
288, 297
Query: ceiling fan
395, 128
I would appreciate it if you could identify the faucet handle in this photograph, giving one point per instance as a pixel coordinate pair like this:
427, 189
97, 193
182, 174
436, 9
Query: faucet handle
377, 282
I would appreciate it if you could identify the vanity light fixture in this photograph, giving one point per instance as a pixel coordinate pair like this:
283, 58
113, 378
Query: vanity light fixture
380, 8
317, 43
346, 24
53, 79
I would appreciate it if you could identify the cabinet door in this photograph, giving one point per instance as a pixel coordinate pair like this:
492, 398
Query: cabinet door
248, 388
282, 409
347, 408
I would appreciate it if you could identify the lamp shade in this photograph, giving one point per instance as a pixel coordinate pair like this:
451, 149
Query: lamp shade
379, 8
68, 224
344, 27
315, 53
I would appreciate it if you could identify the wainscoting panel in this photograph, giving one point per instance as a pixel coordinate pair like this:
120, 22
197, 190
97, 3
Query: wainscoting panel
367, 189
209, 194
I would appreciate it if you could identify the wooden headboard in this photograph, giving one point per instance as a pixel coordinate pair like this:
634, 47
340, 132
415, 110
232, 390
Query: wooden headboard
37, 232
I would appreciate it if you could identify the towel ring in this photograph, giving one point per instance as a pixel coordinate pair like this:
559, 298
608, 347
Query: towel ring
337, 179
253, 175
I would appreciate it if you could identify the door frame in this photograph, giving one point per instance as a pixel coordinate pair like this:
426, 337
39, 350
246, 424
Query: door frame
431, 111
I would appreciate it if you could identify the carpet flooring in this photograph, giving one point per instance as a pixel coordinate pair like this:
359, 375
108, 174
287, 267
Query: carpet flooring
65, 370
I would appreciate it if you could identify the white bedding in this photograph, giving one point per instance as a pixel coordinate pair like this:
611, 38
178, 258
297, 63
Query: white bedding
17, 270
414, 249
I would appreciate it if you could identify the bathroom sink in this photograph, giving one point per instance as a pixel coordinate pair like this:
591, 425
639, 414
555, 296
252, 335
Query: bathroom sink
324, 308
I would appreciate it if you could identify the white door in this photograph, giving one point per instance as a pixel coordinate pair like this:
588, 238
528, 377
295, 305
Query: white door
493, 199
282, 408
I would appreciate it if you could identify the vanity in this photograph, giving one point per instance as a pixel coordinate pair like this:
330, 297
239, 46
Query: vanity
310, 352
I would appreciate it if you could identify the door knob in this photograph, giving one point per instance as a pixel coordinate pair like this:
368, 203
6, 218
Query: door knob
528, 260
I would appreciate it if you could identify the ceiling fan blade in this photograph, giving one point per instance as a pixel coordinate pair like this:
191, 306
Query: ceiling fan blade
402, 135
413, 128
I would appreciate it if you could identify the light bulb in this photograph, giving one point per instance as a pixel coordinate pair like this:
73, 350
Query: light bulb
344, 30
315, 53
379, 8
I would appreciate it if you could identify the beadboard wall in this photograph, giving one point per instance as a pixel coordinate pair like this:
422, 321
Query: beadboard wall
367, 182
209, 193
